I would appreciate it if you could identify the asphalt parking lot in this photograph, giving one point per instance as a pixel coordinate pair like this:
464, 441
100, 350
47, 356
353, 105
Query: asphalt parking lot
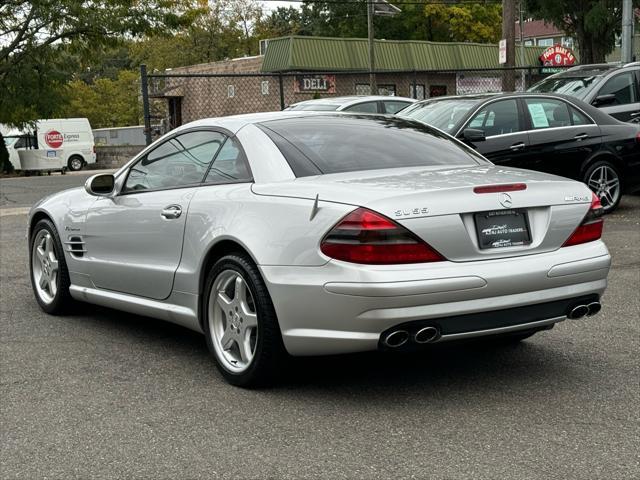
104, 394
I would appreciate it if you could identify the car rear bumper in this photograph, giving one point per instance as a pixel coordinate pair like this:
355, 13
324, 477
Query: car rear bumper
341, 307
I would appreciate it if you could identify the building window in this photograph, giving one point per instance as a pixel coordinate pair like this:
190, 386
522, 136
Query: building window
437, 90
362, 89
418, 94
389, 89
264, 87
545, 42
528, 43
231, 91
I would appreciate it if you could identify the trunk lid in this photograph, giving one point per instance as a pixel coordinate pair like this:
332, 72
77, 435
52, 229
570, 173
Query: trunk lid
438, 203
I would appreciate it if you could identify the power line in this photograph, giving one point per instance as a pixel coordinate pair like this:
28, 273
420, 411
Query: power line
396, 2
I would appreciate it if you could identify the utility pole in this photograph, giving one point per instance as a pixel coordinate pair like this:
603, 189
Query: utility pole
373, 89
522, 59
509, 34
627, 31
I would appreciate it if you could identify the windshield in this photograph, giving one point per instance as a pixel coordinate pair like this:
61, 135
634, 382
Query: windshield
349, 143
575, 86
315, 107
442, 114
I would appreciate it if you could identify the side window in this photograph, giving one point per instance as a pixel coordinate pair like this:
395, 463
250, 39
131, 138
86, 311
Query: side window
579, 118
394, 107
497, 118
230, 165
622, 86
366, 107
180, 161
548, 113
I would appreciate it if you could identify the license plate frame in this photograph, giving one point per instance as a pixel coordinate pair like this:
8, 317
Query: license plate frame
497, 229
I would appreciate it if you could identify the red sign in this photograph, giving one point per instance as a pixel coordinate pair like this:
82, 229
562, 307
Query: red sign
557, 56
53, 138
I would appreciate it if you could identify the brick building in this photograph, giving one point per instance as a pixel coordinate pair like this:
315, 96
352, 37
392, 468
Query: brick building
299, 68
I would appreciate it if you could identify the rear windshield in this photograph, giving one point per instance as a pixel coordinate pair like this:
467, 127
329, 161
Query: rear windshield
315, 107
442, 114
348, 143
575, 86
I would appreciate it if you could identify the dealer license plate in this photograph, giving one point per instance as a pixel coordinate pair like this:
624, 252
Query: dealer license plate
502, 228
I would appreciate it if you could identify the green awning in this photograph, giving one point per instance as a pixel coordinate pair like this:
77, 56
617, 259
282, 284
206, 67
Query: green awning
343, 54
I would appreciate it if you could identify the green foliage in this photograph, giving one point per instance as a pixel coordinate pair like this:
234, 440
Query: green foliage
39, 37
593, 23
106, 102
481, 23
5, 164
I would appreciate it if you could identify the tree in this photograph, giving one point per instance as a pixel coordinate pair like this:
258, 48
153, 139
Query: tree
105, 102
593, 23
37, 34
475, 22
281, 22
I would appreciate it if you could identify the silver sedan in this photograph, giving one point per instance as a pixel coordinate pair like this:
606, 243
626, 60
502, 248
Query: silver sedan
321, 233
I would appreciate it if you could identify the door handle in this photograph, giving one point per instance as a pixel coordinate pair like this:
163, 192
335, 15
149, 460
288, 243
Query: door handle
581, 136
517, 146
171, 212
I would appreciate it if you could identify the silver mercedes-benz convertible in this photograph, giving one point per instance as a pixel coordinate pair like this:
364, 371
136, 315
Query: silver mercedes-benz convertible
321, 233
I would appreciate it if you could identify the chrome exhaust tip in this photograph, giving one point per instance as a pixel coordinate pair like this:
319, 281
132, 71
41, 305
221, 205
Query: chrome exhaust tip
426, 335
578, 311
593, 307
396, 339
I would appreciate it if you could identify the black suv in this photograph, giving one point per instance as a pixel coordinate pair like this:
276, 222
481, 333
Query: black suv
613, 88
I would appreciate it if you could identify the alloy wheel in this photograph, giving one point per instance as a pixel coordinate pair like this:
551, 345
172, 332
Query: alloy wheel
233, 321
45, 266
604, 181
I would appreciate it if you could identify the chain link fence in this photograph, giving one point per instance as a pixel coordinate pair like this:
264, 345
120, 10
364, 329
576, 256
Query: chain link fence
172, 99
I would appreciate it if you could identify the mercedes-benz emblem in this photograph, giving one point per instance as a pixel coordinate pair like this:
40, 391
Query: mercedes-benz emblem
505, 200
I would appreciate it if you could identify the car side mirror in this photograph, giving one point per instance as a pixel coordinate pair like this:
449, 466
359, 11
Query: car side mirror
473, 135
602, 100
100, 185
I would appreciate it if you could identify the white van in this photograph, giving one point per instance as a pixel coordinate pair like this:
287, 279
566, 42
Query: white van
56, 144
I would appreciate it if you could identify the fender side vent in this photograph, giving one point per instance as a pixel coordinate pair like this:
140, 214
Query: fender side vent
75, 245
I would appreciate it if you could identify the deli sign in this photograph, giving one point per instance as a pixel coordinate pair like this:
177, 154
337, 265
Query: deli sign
315, 83
557, 56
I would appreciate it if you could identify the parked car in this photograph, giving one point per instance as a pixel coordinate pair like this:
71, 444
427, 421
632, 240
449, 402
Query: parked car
62, 143
613, 88
355, 104
551, 133
315, 233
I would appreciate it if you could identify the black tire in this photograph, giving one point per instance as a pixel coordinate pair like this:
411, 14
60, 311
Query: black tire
269, 353
593, 171
62, 299
75, 163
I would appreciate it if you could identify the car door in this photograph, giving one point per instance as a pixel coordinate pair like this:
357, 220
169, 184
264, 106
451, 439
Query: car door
626, 88
134, 239
502, 122
561, 136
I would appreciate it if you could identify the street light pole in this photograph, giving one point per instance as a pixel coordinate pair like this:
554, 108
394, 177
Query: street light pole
372, 62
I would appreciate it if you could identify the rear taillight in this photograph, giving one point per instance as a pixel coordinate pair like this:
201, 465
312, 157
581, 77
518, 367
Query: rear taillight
368, 237
591, 227
638, 137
